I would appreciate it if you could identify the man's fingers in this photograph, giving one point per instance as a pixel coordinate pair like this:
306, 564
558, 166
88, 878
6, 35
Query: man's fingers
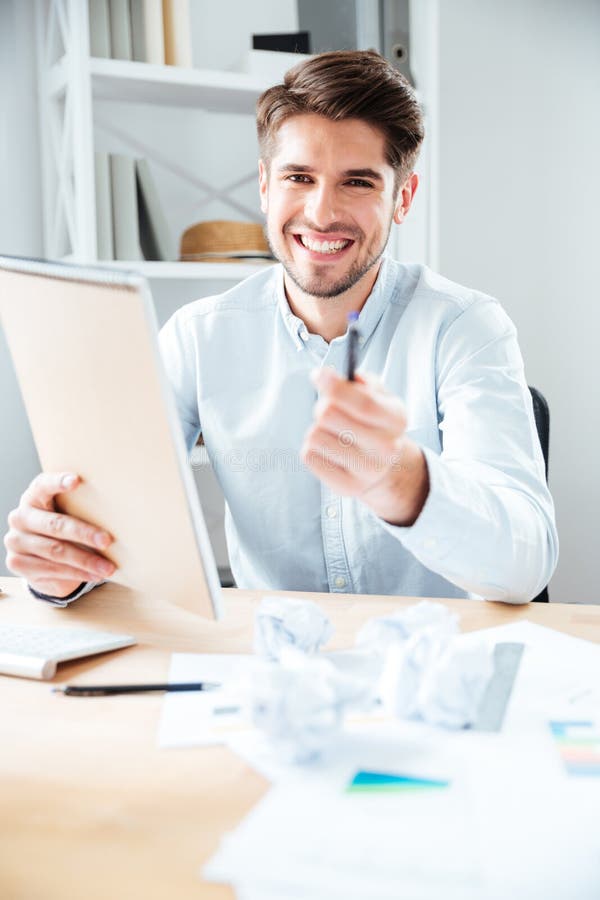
363, 400
44, 488
57, 525
348, 431
359, 401
48, 547
331, 452
336, 477
34, 568
66, 555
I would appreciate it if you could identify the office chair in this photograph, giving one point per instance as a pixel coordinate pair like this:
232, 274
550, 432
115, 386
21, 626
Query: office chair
541, 413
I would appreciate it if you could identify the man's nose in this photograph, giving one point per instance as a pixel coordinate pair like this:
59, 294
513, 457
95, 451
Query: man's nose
321, 205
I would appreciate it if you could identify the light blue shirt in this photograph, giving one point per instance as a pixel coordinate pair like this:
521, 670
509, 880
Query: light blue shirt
239, 365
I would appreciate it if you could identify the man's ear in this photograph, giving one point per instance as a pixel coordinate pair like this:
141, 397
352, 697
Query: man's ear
405, 198
263, 183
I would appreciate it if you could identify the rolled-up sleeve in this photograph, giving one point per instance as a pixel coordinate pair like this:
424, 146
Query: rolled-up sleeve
488, 522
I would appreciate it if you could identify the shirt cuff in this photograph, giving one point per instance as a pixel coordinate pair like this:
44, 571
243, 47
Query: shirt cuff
83, 588
445, 536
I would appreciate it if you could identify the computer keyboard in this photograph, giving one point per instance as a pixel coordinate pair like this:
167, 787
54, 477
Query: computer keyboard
34, 652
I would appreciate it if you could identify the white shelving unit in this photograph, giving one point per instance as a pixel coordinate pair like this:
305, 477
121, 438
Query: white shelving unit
70, 81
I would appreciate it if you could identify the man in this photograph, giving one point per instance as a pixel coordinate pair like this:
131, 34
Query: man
424, 476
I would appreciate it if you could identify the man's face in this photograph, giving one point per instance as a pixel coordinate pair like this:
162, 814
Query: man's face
329, 200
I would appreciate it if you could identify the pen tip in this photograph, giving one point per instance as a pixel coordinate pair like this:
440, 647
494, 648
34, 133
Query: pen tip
352, 317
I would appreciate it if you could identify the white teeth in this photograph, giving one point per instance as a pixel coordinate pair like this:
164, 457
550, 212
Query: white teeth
323, 246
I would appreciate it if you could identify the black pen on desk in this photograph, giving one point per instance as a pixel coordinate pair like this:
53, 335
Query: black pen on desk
106, 690
353, 338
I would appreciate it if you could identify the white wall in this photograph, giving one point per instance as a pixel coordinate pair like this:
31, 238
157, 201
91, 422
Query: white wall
20, 229
519, 202
223, 29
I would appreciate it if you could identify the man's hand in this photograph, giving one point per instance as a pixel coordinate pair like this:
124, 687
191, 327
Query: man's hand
49, 548
357, 446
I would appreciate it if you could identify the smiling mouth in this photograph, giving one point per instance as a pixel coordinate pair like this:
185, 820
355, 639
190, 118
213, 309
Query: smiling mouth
326, 248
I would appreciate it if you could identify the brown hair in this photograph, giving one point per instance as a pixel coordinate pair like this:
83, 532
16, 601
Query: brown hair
347, 84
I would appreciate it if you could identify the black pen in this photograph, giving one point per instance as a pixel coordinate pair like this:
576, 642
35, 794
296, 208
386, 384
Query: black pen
353, 336
105, 690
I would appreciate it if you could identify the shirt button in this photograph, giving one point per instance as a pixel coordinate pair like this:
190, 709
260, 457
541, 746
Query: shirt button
430, 543
304, 334
340, 581
331, 512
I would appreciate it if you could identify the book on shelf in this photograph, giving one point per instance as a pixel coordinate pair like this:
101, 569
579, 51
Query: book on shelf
120, 29
147, 31
152, 31
104, 214
177, 27
126, 232
99, 28
156, 239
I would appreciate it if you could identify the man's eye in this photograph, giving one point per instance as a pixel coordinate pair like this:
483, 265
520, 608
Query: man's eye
359, 182
299, 179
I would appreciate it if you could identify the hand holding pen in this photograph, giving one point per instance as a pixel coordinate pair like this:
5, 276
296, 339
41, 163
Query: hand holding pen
357, 444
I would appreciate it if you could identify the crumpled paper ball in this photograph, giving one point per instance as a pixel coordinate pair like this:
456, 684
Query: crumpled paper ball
299, 702
452, 688
379, 633
426, 674
284, 622
432, 678
361, 670
412, 661
405, 665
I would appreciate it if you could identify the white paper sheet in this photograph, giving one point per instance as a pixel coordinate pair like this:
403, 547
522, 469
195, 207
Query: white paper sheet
309, 838
189, 719
539, 829
511, 825
558, 674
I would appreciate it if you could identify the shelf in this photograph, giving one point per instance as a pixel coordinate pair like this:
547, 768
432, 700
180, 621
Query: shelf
190, 271
135, 82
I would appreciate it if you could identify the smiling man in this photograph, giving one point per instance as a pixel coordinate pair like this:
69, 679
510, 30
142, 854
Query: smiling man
424, 475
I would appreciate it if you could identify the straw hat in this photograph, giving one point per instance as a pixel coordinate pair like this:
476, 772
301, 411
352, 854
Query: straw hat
222, 241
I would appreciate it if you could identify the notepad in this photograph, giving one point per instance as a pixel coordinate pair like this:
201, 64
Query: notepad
100, 404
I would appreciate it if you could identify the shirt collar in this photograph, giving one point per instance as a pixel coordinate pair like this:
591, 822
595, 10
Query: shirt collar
369, 315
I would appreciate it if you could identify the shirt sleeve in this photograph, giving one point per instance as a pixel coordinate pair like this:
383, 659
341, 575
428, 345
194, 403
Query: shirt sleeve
488, 522
83, 588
